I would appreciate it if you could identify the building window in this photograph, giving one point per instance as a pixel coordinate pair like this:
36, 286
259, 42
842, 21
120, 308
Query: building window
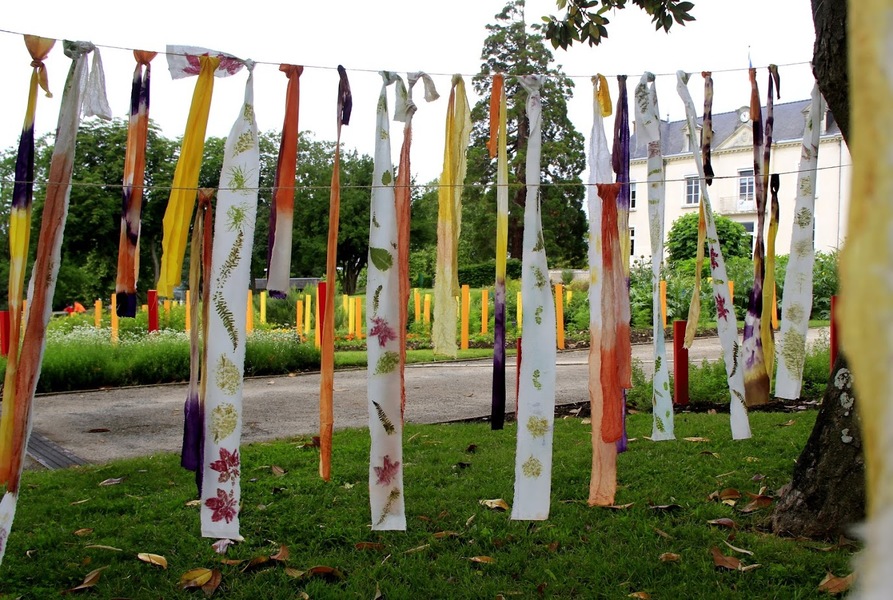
632, 241
632, 195
692, 190
745, 185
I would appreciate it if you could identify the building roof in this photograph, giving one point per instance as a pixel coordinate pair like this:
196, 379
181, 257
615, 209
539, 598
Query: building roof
789, 124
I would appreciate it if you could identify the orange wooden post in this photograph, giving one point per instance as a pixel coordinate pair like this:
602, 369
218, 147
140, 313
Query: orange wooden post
361, 327
317, 326
351, 318
114, 310
152, 299
731, 292
188, 306
519, 314
249, 314
97, 313
485, 311
299, 318
466, 307
308, 301
263, 306
663, 301
775, 308
418, 302
427, 309
559, 315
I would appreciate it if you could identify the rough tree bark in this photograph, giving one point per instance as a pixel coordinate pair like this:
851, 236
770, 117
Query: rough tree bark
827, 492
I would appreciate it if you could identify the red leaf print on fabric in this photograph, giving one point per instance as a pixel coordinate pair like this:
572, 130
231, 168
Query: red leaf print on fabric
713, 256
229, 64
387, 471
195, 65
227, 466
223, 506
721, 310
384, 331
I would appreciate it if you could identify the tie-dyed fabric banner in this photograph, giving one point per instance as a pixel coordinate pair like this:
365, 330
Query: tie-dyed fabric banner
19, 243
866, 273
707, 127
382, 343
796, 303
726, 323
756, 374
283, 209
132, 191
648, 132
536, 399
603, 480
449, 219
234, 222
327, 337
83, 94
497, 149
404, 110
186, 61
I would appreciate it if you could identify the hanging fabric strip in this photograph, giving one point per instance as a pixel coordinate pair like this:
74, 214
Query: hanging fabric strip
866, 273
283, 207
404, 110
756, 376
184, 61
497, 148
80, 86
694, 306
536, 399
707, 127
19, 243
613, 325
199, 276
796, 303
772, 183
229, 278
327, 338
648, 132
726, 323
383, 343
620, 159
603, 479
449, 219
132, 191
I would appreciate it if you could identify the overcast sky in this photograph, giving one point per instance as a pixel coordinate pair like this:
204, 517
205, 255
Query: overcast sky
399, 35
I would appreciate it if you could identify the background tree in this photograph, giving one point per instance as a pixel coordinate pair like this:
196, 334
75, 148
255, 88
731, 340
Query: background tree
512, 50
827, 493
682, 238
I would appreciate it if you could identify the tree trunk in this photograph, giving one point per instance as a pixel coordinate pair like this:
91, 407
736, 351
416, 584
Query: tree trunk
827, 493
516, 216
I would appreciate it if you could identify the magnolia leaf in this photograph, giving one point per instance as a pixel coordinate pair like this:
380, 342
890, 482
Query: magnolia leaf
757, 503
495, 504
277, 471
669, 557
294, 573
736, 549
729, 494
381, 258
328, 573
282, 555
213, 583
482, 559
368, 546
90, 580
723, 522
112, 481
103, 547
233, 562
256, 562
153, 559
723, 561
834, 585
445, 534
84, 531
195, 578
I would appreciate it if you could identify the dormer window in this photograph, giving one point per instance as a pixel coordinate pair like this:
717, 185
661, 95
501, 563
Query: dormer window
686, 138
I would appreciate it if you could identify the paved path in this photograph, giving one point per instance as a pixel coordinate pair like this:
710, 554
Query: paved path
145, 420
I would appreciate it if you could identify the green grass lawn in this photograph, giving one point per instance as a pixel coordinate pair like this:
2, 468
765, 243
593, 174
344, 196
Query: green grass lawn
580, 552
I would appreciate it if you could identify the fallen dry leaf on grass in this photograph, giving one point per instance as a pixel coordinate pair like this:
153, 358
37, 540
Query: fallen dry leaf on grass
664, 507
708, 453
834, 585
90, 580
282, 555
729, 494
640, 595
418, 549
292, 572
368, 546
221, 545
233, 562
696, 439
495, 504
195, 578
84, 531
620, 506
103, 547
482, 559
330, 574
153, 559
445, 534
787, 423
111, 481
76, 502
255, 562
723, 522
737, 549
662, 533
278, 471
669, 557
213, 583
757, 503
725, 562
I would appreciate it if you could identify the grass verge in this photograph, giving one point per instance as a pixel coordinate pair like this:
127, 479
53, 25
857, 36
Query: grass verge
579, 552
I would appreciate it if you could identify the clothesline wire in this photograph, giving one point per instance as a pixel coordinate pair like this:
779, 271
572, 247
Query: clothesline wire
412, 186
367, 70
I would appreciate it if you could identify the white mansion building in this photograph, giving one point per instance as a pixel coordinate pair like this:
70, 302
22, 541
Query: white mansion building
732, 191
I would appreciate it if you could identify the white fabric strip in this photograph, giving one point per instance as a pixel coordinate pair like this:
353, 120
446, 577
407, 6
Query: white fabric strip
536, 396
234, 222
796, 304
382, 342
648, 132
726, 323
